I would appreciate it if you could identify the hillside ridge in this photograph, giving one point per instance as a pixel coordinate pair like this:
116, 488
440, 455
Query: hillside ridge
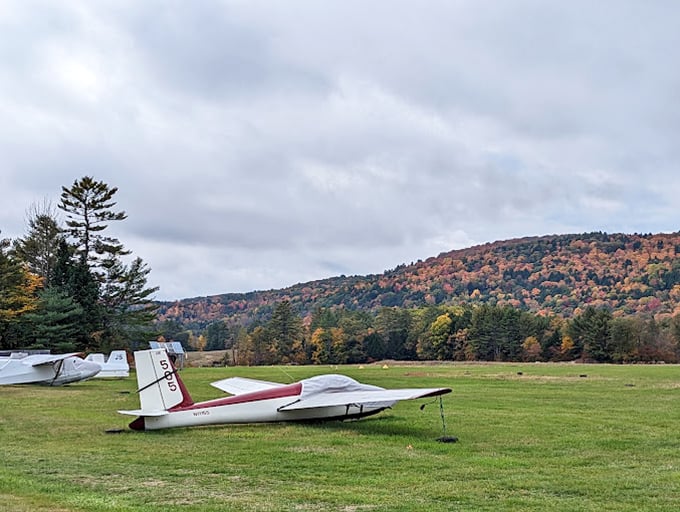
551, 274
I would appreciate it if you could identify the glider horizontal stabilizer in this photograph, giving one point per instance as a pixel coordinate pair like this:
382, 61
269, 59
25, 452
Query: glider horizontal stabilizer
140, 412
243, 385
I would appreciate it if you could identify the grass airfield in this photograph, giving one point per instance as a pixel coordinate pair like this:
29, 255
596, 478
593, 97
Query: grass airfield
559, 437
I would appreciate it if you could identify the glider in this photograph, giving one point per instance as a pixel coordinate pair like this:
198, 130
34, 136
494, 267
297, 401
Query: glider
115, 365
48, 369
165, 402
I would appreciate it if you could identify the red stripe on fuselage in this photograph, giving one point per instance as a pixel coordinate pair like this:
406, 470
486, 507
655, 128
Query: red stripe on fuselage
291, 390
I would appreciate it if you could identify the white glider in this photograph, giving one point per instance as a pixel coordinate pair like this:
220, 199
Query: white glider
48, 369
165, 402
115, 366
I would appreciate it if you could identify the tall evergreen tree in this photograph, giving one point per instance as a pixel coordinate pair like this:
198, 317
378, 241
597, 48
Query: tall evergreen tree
394, 325
124, 307
591, 330
88, 206
374, 346
284, 330
625, 336
495, 333
216, 335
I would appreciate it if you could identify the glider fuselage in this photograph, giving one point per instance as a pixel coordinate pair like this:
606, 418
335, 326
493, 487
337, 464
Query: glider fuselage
256, 407
46, 369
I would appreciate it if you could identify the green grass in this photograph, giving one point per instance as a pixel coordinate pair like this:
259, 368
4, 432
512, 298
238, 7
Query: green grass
557, 437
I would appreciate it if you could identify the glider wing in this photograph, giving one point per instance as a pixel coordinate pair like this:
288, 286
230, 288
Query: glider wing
45, 359
387, 396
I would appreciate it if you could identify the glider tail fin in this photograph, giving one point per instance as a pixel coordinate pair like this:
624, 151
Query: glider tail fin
160, 387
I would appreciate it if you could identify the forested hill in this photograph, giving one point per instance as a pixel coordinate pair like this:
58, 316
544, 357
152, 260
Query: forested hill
558, 274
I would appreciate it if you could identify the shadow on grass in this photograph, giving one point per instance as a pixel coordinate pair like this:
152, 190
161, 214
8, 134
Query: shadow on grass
382, 426
374, 426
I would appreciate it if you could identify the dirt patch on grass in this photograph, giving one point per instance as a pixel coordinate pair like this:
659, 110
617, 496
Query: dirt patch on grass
28, 504
206, 358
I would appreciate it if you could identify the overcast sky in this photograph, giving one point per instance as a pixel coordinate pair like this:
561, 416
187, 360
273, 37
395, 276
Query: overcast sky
259, 144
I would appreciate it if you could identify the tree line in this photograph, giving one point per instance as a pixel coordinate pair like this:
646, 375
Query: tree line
445, 333
70, 287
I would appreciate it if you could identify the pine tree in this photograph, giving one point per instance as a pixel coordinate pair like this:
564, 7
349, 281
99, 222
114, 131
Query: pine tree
126, 302
56, 323
121, 305
88, 205
217, 335
374, 346
284, 330
394, 325
591, 331
73, 278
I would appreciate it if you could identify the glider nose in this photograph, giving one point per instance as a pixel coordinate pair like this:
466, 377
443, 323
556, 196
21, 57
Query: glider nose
89, 369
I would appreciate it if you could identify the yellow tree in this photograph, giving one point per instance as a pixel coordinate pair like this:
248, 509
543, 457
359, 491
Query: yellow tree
339, 346
18, 296
531, 348
321, 344
567, 346
435, 342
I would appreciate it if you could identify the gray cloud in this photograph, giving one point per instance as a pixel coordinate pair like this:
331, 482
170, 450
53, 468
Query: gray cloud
260, 144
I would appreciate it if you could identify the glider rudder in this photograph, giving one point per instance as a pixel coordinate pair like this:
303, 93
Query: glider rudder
159, 385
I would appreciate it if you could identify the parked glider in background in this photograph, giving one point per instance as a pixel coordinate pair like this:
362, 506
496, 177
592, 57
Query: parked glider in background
48, 369
165, 402
116, 365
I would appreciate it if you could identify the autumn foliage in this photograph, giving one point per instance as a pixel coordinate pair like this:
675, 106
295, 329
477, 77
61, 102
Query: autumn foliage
559, 275
596, 296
